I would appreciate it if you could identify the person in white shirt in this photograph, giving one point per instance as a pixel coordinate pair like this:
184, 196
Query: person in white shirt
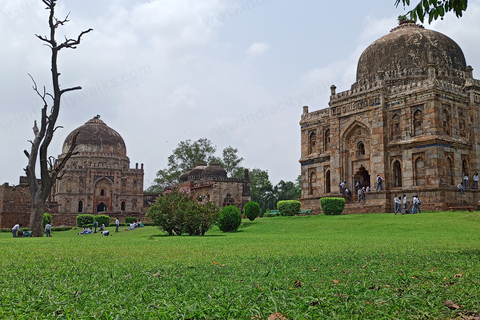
15, 229
475, 181
398, 205
460, 187
405, 203
465, 179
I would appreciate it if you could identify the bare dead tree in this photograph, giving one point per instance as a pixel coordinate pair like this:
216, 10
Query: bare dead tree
50, 169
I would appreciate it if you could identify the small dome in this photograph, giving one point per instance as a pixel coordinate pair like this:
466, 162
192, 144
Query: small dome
184, 177
197, 171
410, 47
215, 169
95, 136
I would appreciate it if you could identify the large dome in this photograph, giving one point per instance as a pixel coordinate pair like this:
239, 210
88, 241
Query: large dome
410, 47
96, 137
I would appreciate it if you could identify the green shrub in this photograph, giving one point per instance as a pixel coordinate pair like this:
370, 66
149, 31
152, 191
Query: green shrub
47, 218
178, 211
288, 207
332, 206
103, 219
251, 210
230, 219
85, 219
129, 220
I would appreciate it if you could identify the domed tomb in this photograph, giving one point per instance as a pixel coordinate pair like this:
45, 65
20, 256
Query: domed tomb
96, 137
410, 47
215, 170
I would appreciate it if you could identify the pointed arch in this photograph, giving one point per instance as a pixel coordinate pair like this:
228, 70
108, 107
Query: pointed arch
419, 172
446, 122
418, 123
395, 132
327, 181
462, 123
326, 140
361, 148
312, 140
465, 167
312, 181
397, 174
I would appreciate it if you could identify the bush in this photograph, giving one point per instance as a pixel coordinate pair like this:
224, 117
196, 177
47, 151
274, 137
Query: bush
103, 219
230, 219
288, 207
332, 206
47, 218
61, 228
85, 219
129, 220
251, 210
178, 211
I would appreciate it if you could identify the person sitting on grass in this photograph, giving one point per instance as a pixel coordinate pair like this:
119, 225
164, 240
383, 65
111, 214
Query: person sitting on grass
101, 228
105, 233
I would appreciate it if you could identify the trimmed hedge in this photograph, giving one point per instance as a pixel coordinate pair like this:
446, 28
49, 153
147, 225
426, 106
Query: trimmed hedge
251, 210
85, 219
103, 219
129, 220
288, 207
230, 219
332, 206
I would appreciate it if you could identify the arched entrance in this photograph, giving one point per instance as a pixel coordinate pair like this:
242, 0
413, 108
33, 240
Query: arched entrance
103, 195
101, 207
363, 176
327, 182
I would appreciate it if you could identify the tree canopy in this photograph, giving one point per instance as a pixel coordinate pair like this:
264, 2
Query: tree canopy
189, 154
434, 9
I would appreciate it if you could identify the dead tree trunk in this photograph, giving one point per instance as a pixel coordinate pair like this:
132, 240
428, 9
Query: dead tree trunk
49, 168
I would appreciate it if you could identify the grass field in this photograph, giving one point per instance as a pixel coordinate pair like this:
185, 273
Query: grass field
371, 266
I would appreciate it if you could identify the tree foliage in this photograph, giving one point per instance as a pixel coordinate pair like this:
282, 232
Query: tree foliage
178, 211
50, 169
189, 154
230, 219
434, 9
251, 210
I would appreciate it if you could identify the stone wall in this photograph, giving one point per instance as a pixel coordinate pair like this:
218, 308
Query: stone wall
14, 205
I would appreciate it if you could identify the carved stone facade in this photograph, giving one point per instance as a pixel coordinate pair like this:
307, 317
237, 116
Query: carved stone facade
98, 178
412, 116
210, 183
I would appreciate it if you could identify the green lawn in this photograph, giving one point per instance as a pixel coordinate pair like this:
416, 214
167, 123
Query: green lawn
370, 266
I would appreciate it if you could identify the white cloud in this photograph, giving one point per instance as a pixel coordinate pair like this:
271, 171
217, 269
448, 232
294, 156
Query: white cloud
257, 49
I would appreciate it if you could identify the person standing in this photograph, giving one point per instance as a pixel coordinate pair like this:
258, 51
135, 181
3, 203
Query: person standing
398, 205
380, 182
348, 193
48, 230
460, 187
465, 179
15, 229
475, 181
95, 225
359, 192
405, 203
117, 224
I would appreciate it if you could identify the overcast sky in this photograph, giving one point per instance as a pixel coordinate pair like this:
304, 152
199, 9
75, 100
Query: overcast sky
162, 71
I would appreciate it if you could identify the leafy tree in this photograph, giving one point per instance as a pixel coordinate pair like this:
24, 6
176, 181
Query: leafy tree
230, 160
434, 9
49, 167
287, 190
230, 219
190, 154
178, 211
251, 210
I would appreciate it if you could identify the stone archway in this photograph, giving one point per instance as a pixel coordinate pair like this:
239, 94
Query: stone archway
363, 176
101, 207
103, 195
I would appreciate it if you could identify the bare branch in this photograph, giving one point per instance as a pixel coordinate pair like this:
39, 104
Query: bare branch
26, 153
72, 43
57, 127
70, 89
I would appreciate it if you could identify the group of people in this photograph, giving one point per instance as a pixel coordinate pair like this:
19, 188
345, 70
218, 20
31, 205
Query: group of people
17, 233
415, 205
464, 185
358, 189
134, 225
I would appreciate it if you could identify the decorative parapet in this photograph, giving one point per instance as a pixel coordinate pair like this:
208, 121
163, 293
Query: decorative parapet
316, 114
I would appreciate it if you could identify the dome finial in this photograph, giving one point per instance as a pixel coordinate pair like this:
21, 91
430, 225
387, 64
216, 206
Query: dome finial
97, 116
